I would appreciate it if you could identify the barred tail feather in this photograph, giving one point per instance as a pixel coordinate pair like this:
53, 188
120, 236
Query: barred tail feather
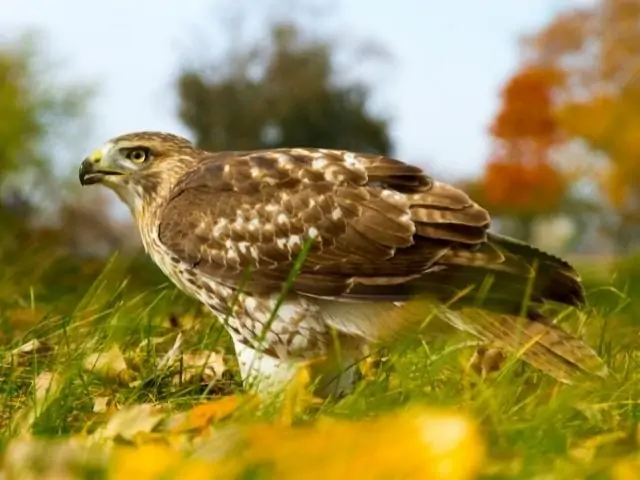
537, 341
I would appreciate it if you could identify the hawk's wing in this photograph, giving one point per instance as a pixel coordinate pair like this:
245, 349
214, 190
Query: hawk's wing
380, 229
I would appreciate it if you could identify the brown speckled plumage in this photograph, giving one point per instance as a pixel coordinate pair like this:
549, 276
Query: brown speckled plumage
385, 237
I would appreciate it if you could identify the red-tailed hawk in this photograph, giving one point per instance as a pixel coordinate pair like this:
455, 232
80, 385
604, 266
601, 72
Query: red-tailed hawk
300, 250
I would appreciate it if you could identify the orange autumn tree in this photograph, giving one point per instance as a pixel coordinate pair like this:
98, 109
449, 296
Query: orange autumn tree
598, 49
612, 124
520, 181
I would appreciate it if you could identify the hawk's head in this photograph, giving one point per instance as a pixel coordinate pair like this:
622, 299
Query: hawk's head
139, 166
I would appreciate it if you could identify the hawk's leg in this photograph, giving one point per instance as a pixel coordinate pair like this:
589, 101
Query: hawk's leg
261, 372
486, 359
333, 376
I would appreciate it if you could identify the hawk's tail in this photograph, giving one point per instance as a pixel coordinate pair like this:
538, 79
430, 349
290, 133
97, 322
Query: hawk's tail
501, 306
536, 340
494, 292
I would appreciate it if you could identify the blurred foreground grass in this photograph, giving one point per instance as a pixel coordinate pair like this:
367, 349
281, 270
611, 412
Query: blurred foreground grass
94, 385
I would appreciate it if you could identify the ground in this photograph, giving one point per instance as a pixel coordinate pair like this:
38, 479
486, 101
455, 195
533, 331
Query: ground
84, 344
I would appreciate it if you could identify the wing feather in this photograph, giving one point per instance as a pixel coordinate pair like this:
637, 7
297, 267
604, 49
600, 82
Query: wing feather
380, 229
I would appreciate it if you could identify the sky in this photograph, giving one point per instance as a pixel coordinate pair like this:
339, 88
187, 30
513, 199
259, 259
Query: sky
440, 89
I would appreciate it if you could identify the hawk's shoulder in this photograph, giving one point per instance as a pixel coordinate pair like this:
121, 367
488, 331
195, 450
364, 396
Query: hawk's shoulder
247, 172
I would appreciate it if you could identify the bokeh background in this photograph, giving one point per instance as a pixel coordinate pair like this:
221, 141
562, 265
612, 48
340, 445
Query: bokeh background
533, 106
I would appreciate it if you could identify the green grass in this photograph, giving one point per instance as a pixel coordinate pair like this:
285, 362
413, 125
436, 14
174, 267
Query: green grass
533, 426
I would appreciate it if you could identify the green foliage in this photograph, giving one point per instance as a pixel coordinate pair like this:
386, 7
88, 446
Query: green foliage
40, 117
38, 111
295, 100
19, 122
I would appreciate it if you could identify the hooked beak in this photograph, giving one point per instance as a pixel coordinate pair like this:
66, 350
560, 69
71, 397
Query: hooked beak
91, 173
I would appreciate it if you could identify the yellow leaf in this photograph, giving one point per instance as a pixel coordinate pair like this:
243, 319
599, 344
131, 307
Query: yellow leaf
110, 364
201, 416
156, 461
590, 120
198, 470
297, 396
615, 185
147, 461
417, 444
130, 422
628, 469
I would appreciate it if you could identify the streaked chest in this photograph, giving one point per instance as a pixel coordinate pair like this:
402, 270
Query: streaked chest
182, 274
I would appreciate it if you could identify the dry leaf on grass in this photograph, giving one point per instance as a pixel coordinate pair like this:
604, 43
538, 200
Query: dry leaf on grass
47, 387
201, 367
110, 365
205, 367
129, 422
34, 459
202, 416
24, 353
103, 405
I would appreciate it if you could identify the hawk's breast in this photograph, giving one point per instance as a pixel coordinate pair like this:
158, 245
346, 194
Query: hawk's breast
292, 327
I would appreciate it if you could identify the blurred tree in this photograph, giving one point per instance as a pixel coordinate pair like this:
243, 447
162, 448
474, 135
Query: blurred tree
16, 135
282, 93
520, 181
37, 113
598, 49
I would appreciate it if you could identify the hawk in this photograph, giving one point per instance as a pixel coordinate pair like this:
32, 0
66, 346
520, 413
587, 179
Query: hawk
311, 254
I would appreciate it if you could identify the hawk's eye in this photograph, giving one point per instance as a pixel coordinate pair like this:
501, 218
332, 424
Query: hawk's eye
137, 155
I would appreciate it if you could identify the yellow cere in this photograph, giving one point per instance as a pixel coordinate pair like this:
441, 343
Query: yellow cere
96, 156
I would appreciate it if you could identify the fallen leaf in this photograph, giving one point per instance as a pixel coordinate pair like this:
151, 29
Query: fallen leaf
627, 469
205, 366
201, 416
35, 459
21, 355
416, 444
110, 364
130, 421
101, 404
154, 461
144, 462
47, 387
